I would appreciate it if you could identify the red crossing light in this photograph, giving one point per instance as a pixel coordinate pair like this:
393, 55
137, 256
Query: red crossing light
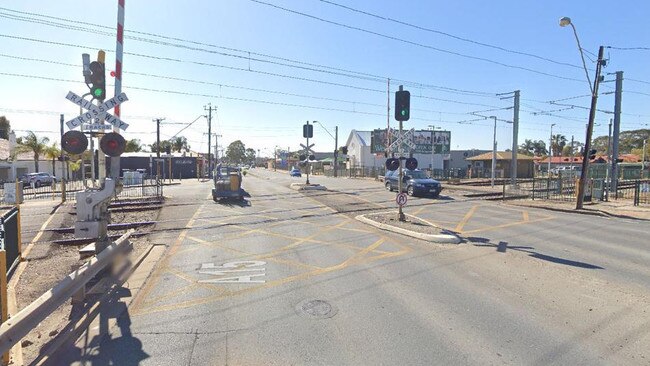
112, 144
74, 142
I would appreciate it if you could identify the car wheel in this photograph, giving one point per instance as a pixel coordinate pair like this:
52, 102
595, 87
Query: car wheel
437, 195
410, 191
37, 184
389, 187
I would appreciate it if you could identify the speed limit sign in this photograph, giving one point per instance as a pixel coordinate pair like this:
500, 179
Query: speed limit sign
401, 199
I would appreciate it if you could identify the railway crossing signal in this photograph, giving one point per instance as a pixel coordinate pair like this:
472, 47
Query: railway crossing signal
74, 142
402, 105
112, 144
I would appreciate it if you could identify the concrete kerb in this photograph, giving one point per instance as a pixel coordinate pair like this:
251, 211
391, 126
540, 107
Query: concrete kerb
590, 212
434, 238
305, 187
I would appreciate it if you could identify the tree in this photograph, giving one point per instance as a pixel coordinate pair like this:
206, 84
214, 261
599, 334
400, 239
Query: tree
558, 142
5, 128
527, 147
133, 145
236, 152
74, 167
31, 143
250, 155
52, 152
627, 141
539, 148
163, 146
575, 151
180, 143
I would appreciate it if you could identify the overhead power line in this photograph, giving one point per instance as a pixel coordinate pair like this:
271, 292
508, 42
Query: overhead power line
245, 54
353, 102
413, 43
446, 34
629, 48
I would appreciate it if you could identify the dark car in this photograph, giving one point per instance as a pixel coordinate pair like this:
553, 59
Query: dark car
295, 172
415, 182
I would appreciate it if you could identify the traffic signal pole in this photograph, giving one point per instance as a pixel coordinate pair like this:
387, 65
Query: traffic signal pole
119, 50
590, 128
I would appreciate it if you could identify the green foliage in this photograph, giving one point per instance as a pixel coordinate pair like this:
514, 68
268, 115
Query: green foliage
236, 152
180, 143
628, 140
133, 145
531, 147
5, 128
34, 144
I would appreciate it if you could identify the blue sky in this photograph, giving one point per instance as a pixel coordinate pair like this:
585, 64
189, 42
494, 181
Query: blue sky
264, 119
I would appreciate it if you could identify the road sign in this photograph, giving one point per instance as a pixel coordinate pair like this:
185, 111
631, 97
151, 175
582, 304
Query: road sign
405, 139
94, 111
401, 199
308, 149
97, 127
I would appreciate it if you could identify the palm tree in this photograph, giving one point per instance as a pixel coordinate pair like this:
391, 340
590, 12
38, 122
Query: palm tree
558, 143
528, 147
31, 143
53, 152
180, 143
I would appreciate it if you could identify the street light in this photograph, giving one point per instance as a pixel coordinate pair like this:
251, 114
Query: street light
494, 152
550, 151
564, 21
592, 111
432, 127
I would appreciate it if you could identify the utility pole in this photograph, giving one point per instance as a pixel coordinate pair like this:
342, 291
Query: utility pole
590, 128
158, 147
609, 159
572, 153
515, 143
209, 109
216, 146
494, 153
550, 151
336, 151
618, 94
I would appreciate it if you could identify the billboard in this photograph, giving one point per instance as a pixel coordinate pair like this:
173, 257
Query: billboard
441, 142
424, 140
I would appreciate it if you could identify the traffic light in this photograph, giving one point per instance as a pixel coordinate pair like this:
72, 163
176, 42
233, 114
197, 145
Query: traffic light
344, 150
307, 131
97, 80
112, 144
392, 164
411, 164
74, 142
592, 154
402, 105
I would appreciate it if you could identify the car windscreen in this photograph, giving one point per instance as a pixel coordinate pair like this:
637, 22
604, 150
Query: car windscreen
417, 175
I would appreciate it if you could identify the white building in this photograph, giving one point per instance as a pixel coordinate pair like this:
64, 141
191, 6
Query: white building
13, 165
358, 144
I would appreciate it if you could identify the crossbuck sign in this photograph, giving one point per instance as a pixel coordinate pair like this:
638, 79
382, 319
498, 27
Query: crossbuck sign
96, 111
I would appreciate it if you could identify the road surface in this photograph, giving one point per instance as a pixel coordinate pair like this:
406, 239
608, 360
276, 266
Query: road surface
291, 278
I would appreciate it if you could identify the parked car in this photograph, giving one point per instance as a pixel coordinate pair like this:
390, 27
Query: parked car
295, 172
416, 182
40, 179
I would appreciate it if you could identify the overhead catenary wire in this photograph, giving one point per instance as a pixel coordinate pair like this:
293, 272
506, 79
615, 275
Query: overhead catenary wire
413, 43
447, 34
246, 55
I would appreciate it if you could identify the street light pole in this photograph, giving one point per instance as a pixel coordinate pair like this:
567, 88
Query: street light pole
433, 129
592, 112
494, 152
550, 151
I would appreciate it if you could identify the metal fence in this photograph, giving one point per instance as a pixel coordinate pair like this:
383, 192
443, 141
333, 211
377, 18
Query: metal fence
10, 237
637, 192
143, 188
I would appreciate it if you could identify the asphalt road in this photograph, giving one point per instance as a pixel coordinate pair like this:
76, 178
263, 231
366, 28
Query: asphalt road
293, 279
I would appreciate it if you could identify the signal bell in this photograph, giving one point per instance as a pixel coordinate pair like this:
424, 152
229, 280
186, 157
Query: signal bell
74, 142
112, 144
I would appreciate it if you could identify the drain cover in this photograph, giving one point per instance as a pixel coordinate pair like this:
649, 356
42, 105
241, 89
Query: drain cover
317, 308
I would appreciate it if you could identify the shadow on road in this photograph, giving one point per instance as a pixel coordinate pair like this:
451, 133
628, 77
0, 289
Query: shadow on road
502, 246
109, 347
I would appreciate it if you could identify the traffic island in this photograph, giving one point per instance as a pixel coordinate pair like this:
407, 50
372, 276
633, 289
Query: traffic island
307, 187
412, 226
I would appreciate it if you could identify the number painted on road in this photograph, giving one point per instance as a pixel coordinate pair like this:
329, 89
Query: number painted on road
236, 272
